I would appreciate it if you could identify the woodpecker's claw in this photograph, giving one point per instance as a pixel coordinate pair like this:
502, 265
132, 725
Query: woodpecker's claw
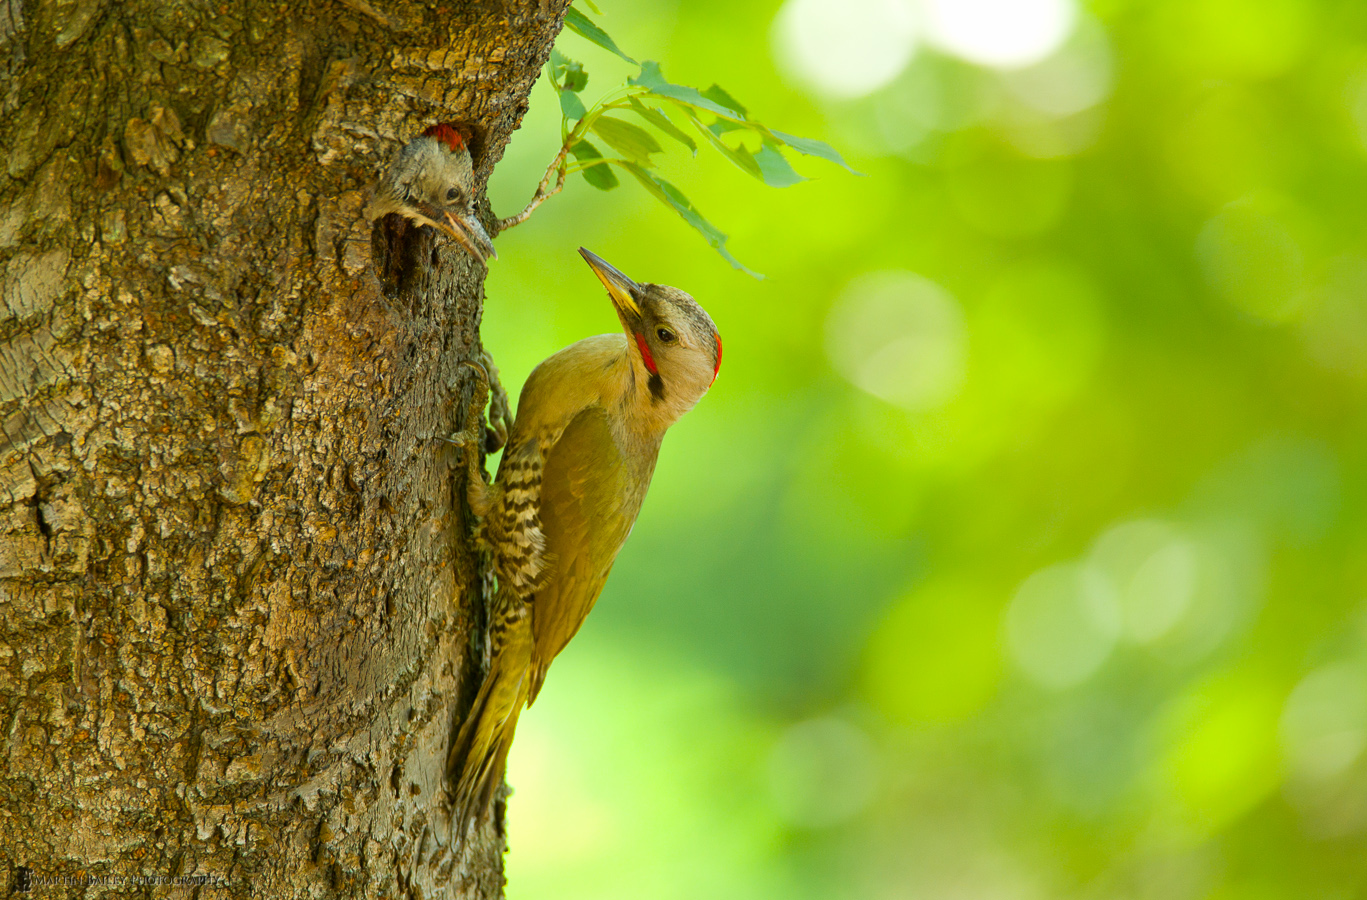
474, 435
500, 410
469, 439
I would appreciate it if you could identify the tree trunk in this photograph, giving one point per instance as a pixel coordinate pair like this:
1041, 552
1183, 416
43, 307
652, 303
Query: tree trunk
240, 609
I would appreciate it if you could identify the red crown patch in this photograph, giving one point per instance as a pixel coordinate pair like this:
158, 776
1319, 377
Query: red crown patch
447, 135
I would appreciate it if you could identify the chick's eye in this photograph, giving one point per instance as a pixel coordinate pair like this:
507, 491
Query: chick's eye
665, 335
452, 194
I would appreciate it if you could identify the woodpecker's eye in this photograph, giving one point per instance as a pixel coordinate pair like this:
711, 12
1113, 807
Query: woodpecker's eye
665, 335
452, 194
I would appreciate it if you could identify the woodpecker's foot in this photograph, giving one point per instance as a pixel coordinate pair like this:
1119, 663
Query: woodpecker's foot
470, 439
500, 410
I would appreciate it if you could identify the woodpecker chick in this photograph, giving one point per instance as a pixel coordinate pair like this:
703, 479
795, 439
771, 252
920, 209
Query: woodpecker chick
432, 183
573, 477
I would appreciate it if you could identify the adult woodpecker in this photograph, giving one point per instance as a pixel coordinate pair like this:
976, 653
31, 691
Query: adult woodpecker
574, 474
432, 183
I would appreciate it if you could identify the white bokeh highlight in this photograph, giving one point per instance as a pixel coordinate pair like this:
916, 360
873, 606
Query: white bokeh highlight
845, 49
1062, 624
1153, 569
899, 337
1001, 34
1075, 78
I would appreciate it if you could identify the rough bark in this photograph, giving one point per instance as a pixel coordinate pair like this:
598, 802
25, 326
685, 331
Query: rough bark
240, 612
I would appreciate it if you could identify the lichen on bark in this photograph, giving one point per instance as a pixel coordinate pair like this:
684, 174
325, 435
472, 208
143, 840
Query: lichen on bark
240, 612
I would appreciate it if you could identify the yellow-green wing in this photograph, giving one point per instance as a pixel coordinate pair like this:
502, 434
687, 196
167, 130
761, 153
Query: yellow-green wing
590, 495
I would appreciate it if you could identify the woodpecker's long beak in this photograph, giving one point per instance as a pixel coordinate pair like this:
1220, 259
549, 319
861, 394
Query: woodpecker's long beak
469, 234
620, 287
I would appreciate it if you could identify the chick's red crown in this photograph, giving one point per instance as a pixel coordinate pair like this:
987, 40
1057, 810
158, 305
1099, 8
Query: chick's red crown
447, 135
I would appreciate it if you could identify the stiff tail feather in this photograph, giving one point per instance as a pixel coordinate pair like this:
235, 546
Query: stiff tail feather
480, 751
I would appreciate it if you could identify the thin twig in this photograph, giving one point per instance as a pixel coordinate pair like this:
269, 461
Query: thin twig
544, 191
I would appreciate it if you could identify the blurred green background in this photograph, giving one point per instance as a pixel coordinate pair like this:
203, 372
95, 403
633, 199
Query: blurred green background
1019, 550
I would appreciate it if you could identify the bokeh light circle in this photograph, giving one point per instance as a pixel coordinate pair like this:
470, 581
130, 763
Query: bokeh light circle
1324, 724
1153, 569
900, 337
821, 772
845, 48
1004, 34
1062, 624
1253, 261
1075, 78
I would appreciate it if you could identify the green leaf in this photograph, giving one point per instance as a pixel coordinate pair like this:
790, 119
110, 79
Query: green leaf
566, 73
571, 105
725, 126
653, 80
775, 169
583, 26
657, 118
672, 197
810, 147
632, 141
738, 155
593, 7
601, 175
717, 95
576, 79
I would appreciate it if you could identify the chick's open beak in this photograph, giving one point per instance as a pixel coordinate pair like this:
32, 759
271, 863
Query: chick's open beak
469, 234
620, 288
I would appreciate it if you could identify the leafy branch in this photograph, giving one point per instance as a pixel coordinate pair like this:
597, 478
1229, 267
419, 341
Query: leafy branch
649, 98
